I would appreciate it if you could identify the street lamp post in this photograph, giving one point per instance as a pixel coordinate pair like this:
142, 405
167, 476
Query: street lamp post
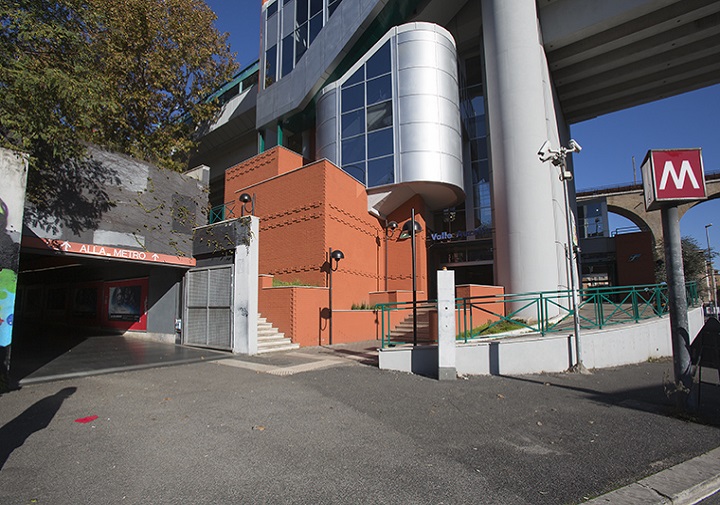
410, 228
390, 228
336, 255
558, 157
711, 270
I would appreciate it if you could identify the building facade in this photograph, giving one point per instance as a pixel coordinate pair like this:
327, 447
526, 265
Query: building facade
448, 103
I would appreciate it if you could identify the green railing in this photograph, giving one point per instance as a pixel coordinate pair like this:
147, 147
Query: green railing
542, 312
223, 212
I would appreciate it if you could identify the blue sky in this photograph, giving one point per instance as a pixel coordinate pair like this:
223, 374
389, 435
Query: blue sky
609, 142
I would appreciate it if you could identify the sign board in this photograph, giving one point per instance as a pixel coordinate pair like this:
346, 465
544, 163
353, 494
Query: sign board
672, 176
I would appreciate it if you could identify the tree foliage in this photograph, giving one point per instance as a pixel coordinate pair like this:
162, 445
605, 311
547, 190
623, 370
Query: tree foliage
695, 260
130, 75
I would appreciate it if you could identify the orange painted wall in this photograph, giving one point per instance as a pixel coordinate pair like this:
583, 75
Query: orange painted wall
304, 211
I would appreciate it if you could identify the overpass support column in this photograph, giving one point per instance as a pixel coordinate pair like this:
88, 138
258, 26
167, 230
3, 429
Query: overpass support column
521, 118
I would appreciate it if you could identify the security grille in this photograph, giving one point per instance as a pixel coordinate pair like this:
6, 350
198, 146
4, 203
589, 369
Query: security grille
208, 312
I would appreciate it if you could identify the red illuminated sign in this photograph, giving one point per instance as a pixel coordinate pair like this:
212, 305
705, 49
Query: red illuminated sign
673, 175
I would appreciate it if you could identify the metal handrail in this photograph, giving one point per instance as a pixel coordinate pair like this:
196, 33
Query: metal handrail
599, 307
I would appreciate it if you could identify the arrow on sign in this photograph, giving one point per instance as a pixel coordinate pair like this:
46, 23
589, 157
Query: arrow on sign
155, 257
65, 245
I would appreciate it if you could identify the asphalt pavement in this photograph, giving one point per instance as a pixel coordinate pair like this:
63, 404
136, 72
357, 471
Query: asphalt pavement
325, 425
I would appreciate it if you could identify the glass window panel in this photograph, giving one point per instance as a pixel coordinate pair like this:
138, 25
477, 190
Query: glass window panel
356, 170
301, 43
353, 150
379, 63
379, 116
272, 9
480, 171
380, 171
357, 77
479, 126
478, 105
315, 7
379, 90
270, 66
332, 6
353, 123
316, 24
301, 14
473, 71
288, 17
380, 143
271, 31
353, 98
480, 151
287, 55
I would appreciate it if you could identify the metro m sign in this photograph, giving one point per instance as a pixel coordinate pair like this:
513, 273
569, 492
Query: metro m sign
673, 176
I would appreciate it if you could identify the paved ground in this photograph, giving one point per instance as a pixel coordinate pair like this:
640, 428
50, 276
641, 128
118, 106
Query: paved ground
325, 426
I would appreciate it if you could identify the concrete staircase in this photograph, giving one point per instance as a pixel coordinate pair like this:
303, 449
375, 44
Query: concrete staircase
271, 340
403, 332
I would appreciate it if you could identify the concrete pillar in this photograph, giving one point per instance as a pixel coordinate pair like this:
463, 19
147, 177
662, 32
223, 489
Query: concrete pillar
517, 98
245, 295
446, 324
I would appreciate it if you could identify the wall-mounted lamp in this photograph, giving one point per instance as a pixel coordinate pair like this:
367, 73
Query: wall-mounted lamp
336, 255
246, 199
390, 227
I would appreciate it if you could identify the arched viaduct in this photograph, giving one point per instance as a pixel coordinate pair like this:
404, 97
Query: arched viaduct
628, 201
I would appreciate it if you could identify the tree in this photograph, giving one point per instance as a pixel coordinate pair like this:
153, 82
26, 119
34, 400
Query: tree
695, 260
130, 75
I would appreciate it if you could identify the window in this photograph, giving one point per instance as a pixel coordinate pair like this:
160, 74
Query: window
366, 126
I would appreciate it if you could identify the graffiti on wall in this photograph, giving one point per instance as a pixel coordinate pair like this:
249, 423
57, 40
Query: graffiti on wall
12, 200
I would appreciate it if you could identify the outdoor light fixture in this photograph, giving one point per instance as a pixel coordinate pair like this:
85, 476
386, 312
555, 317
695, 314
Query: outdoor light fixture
558, 157
409, 229
245, 198
390, 228
336, 255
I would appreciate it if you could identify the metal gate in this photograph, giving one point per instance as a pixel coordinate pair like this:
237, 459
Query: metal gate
208, 307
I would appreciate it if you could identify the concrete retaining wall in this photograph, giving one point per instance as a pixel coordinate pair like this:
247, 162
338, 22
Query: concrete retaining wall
620, 345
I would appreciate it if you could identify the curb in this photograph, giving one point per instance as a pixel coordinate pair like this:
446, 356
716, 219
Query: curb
683, 484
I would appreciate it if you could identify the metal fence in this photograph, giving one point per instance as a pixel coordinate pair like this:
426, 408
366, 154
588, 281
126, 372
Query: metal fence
541, 313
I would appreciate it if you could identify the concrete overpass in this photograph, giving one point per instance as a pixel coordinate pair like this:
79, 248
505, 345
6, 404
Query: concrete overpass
628, 201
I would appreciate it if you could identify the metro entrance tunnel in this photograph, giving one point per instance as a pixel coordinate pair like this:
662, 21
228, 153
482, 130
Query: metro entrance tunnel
80, 315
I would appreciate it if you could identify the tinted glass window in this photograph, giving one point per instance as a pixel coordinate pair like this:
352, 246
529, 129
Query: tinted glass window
353, 123
379, 116
272, 9
380, 171
302, 12
353, 98
301, 42
353, 150
356, 78
287, 55
315, 7
270, 65
379, 90
288, 17
380, 143
379, 63
356, 170
316, 25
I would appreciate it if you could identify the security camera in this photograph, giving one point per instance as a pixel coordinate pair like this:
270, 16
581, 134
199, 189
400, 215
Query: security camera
574, 146
546, 153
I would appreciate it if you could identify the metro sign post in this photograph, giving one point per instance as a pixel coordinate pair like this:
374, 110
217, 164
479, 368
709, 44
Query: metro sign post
672, 177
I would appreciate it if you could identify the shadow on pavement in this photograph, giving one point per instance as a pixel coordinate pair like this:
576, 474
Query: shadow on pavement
654, 399
35, 418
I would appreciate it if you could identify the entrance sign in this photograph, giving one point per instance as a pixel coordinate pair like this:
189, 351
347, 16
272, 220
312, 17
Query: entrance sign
673, 176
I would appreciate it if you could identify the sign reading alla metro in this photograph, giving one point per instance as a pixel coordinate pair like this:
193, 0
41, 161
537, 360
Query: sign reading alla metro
673, 176
66, 247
